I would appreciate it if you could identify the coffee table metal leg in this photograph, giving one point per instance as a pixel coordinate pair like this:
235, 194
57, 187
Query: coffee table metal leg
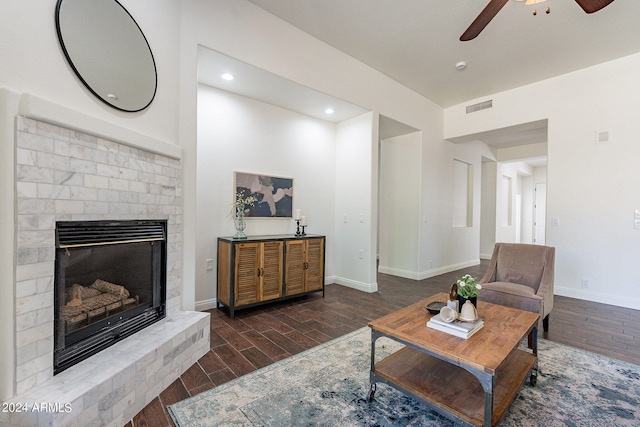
372, 388
372, 392
533, 379
488, 383
488, 401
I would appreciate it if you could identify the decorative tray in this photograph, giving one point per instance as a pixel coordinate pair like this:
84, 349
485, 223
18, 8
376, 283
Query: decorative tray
434, 307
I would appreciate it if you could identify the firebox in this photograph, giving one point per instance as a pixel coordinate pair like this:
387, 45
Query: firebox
110, 282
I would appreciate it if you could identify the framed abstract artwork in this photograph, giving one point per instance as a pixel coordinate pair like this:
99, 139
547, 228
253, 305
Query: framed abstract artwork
272, 196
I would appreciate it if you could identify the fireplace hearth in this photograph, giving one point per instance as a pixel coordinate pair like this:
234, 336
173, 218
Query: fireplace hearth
110, 282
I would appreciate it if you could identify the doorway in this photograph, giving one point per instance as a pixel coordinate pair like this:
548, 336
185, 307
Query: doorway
399, 184
540, 213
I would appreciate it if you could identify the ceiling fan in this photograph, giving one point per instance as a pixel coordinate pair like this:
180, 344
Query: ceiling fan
494, 6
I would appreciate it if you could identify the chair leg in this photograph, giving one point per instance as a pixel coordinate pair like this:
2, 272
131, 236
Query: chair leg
545, 323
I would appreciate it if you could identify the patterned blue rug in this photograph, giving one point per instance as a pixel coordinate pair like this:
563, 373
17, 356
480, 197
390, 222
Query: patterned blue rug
327, 386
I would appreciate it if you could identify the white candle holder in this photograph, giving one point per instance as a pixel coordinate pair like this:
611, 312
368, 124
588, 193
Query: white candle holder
301, 223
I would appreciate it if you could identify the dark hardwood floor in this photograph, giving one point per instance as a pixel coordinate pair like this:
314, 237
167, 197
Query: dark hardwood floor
260, 336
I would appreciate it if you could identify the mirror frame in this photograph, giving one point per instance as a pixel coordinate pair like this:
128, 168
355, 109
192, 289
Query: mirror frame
105, 98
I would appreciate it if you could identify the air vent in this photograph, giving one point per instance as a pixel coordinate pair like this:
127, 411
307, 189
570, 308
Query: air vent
92, 233
481, 106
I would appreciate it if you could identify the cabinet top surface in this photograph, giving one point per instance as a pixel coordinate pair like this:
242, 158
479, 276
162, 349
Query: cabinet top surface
270, 237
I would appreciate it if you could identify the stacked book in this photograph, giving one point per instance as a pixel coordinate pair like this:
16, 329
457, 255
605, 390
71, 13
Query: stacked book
457, 327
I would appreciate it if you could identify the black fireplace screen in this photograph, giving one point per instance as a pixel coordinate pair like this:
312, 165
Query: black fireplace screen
109, 283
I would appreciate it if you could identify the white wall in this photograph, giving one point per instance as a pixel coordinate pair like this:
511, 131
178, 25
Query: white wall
8, 105
540, 205
526, 209
590, 186
356, 202
33, 62
399, 212
464, 245
488, 201
240, 134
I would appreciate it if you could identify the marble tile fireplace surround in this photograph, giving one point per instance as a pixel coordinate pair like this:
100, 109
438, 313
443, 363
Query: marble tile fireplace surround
66, 175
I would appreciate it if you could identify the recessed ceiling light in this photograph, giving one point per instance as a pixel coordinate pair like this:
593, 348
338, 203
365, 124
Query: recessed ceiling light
461, 65
228, 76
329, 110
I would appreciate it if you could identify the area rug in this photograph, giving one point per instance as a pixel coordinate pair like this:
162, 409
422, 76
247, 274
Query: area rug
327, 386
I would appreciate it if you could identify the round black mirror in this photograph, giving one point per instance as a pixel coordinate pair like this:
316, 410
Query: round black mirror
108, 52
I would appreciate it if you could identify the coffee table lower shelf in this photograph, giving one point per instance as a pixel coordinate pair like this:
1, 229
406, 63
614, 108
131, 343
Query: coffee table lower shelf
450, 388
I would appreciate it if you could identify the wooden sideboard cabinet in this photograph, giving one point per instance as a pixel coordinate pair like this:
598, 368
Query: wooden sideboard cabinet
261, 269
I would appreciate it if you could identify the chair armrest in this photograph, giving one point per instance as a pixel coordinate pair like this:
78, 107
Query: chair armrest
490, 274
546, 281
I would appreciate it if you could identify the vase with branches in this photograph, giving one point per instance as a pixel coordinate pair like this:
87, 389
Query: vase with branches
241, 203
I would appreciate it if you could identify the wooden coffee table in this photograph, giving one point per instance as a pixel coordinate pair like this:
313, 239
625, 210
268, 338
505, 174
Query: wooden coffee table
473, 380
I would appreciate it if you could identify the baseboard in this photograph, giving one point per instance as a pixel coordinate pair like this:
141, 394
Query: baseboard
413, 275
329, 280
361, 286
486, 256
207, 304
587, 295
448, 268
399, 273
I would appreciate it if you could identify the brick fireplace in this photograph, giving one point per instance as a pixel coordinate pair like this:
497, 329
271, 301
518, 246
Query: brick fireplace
65, 175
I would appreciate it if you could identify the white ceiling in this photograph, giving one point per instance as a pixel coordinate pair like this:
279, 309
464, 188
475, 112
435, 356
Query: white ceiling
416, 42
256, 83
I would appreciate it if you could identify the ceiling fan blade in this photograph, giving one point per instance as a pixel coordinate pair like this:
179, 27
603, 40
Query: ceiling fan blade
591, 6
484, 18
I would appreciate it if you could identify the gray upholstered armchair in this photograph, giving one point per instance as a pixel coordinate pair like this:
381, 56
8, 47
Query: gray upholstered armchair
521, 276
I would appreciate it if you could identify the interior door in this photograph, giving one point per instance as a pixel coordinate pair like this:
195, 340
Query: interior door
540, 213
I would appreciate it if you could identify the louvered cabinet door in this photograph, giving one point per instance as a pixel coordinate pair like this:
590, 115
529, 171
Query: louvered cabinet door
246, 277
314, 267
271, 270
294, 267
